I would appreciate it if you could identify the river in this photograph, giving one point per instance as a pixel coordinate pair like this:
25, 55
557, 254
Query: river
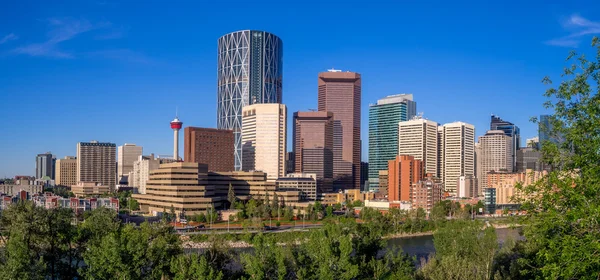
422, 246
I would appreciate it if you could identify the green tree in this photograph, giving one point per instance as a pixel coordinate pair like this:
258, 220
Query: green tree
134, 204
329, 211
564, 207
193, 266
231, 197
289, 213
251, 207
464, 250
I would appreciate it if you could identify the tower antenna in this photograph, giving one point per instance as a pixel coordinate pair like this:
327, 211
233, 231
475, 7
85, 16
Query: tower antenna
176, 112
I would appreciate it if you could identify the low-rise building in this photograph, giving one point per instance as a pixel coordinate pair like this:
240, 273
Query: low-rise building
79, 205
89, 188
426, 193
305, 183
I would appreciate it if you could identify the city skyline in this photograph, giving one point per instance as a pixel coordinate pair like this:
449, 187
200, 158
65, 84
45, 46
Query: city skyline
64, 71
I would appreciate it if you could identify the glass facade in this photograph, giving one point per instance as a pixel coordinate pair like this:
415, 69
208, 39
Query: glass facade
249, 71
383, 132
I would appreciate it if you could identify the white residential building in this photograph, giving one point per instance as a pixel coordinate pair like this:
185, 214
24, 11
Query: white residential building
141, 171
419, 138
457, 148
264, 139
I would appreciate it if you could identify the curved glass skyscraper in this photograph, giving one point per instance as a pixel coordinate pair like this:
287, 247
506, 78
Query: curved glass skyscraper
250, 71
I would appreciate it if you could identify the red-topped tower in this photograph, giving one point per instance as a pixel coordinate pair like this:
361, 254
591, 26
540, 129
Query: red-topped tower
176, 125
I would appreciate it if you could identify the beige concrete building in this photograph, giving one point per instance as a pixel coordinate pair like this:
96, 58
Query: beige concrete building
505, 184
457, 153
127, 155
82, 189
419, 138
264, 139
96, 162
494, 154
181, 185
66, 171
304, 182
466, 187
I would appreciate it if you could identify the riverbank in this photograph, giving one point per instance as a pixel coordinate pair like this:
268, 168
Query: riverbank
187, 243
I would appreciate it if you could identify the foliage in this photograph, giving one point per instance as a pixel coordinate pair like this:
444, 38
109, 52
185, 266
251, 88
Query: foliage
564, 207
231, 197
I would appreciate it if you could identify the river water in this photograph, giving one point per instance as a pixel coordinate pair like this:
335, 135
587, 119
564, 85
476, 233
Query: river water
422, 246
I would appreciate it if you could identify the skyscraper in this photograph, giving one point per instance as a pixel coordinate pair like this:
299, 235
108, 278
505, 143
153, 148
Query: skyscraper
458, 158
511, 130
249, 71
340, 93
210, 146
313, 146
419, 138
264, 139
44, 165
384, 117
127, 155
494, 154
96, 163
66, 171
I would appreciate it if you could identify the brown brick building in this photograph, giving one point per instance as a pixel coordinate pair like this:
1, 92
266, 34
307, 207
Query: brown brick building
403, 172
209, 146
313, 146
426, 193
339, 93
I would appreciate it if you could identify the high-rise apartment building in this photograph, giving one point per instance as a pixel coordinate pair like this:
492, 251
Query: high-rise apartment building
419, 138
210, 146
384, 117
66, 171
313, 146
457, 147
340, 93
264, 139
403, 172
510, 130
44, 166
141, 171
127, 154
495, 154
249, 71
96, 163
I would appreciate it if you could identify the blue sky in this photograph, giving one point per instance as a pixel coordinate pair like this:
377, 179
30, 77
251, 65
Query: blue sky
115, 71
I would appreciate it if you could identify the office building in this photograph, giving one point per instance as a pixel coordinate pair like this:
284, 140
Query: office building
384, 117
264, 139
403, 172
506, 184
313, 146
382, 192
83, 189
530, 158
127, 154
426, 193
306, 184
457, 142
495, 154
364, 176
419, 138
533, 142
209, 146
44, 166
466, 187
181, 185
96, 163
66, 172
340, 94
510, 130
290, 163
249, 71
